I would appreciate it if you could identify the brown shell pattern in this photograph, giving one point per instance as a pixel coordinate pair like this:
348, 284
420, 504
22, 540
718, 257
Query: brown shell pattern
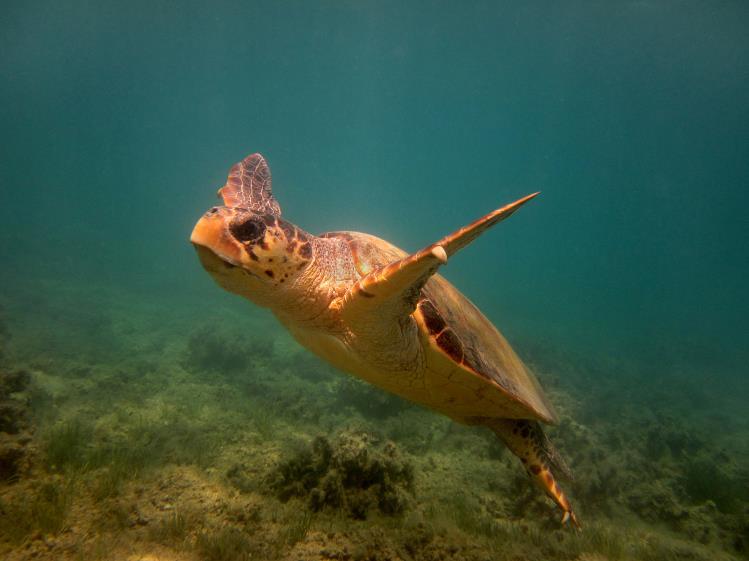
458, 328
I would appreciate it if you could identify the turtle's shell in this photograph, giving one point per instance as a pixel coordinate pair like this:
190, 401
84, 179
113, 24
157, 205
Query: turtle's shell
475, 372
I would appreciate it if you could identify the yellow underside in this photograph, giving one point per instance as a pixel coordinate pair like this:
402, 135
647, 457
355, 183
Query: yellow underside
441, 384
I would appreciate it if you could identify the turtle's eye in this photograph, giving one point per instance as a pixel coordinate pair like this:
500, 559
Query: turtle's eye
249, 230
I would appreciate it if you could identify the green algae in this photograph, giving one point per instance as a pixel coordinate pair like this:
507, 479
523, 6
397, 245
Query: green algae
351, 473
171, 529
226, 544
45, 511
64, 445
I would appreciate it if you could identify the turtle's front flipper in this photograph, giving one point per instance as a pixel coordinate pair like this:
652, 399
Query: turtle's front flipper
395, 287
526, 439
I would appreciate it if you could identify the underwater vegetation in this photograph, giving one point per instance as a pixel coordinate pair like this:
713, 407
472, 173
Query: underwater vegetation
200, 448
227, 544
351, 474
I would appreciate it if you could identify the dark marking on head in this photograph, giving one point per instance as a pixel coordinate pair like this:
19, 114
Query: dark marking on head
248, 230
269, 273
291, 247
449, 342
305, 250
365, 293
270, 220
228, 265
253, 256
264, 245
432, 317
535, 469
288, 230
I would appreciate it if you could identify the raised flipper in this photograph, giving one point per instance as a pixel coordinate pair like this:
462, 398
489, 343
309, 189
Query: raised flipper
461, 238
526, 439
396, 286
249, 186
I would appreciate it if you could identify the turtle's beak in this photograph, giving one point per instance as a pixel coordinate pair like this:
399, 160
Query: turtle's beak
212, 232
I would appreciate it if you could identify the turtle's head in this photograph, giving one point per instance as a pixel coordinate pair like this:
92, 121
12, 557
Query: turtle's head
251, 254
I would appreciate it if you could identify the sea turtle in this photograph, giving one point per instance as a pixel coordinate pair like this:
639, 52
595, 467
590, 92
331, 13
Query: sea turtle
373, 310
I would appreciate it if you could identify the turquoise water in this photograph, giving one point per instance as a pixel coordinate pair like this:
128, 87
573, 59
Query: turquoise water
119, 122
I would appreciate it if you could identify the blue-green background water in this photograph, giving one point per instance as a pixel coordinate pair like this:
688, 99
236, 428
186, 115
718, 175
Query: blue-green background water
118, 122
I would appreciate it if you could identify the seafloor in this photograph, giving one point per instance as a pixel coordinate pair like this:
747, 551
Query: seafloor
141, 427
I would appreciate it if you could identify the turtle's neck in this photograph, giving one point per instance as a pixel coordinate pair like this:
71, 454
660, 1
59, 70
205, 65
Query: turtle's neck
305, 301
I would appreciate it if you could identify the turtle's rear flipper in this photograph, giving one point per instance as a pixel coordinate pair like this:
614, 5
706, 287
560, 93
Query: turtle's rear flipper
526, 439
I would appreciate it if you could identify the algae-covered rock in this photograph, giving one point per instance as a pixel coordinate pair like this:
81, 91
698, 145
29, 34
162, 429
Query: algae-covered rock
12, 453
712, 476
15, 424
353, 473
13, 381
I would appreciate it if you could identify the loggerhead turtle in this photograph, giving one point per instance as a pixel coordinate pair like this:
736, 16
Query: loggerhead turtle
373, 310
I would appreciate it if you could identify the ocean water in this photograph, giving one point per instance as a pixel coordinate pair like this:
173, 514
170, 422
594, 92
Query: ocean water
148, 414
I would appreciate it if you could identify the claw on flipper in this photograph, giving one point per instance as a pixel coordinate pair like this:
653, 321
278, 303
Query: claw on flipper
569, 517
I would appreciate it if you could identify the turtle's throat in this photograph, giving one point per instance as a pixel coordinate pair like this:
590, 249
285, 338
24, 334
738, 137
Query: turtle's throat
305, 299
308, 296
